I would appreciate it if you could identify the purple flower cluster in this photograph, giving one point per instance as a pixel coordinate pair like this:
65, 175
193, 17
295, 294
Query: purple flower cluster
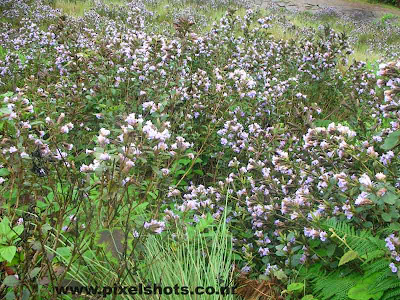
393, 244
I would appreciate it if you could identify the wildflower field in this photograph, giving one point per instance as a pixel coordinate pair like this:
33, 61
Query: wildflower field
197, 143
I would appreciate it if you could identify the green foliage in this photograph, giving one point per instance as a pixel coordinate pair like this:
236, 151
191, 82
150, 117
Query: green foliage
123, 129
200, 258
9, 236
392, 2
392, 140
372, 279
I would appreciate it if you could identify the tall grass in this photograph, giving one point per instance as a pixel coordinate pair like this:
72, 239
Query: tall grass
200, 258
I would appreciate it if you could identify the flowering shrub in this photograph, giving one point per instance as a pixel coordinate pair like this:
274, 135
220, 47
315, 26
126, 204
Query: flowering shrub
114, 128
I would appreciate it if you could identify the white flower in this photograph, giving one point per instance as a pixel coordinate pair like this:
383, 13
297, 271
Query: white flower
85, 168
13, 149
104, 132
380, 176
382, 66
362, 199
105, 156
24, 155
64, 129
103, 140
365, 180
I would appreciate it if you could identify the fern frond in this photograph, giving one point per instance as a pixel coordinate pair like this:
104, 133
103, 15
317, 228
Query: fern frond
379, 266
372, 250
371, 256
362, 242
392, 295
333, 286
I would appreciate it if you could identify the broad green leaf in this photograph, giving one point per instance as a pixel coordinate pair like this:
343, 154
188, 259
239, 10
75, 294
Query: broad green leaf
41, 204
361, 291
184, 161
296, 286
8, 252
4, 172
34, 272
280, 275
395, 226
112, 241
280, 253
180, 172
330, 250
198, 172
391, 141
19, 229
390, 198
64, 252
347, 257
5, 226
386, 217
11, 281
10, 296
46, 228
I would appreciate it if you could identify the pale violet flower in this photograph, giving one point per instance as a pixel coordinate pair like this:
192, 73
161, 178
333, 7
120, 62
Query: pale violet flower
365, 180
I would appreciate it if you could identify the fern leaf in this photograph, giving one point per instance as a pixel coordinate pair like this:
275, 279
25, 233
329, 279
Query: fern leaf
392, 295
333, 286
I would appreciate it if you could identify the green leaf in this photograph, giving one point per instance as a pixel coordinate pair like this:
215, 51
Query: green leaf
111, 240
280, 275
390, 198
41, 204
4, 172
180, 172
347, 257
296, 286
64, 252
11, 281
5, 226
308, 297
391, 141
330, 250
184, 161
34, 272
386, 217
46, 228
8, 252
19, 229
10, 296
280, 253
198, 172
395, 226
361, 291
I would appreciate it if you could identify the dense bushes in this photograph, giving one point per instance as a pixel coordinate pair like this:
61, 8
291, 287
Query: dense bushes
115, 128
393, 2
